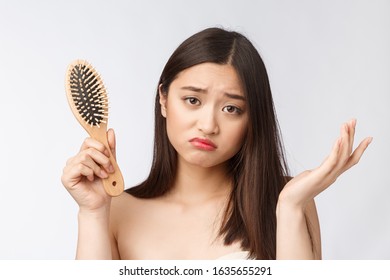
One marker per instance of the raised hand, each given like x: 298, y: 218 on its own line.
x: 304, y: 187
x: 83, y: 173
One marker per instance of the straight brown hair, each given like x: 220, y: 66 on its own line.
x: 259, y: 169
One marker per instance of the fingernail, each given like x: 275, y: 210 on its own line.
x: 103, y: 173
x: 370, y: 140
x: 111, y: 168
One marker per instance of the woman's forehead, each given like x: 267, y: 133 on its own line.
x: 204, y: 76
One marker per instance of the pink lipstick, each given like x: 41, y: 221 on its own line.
x: 203, y: 144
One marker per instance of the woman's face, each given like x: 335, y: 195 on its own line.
x: 206, y: 114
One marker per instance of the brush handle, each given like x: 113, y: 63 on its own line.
x: 87, y: 98
x: 113, y: 184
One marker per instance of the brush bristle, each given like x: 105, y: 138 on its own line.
x: 88, y: 93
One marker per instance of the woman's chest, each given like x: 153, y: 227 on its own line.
x: 172, y: 234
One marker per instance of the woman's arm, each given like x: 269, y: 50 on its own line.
x: 82, y: 178
x: 93, y: 235
x: 297, y: 233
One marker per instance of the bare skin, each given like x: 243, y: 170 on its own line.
x: 297, y: 196
x: 184, y: 223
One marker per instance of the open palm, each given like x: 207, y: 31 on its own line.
x: 310, y: 183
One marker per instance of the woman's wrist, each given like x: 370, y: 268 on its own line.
x: 287, y: 205
x: 102, y: 212
x: 93, y: 234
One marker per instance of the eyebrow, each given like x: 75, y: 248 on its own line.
x: 201, y: 90
x: 235, y: 96
x: 196, y: 89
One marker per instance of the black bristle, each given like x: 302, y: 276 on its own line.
x: 89, y: 95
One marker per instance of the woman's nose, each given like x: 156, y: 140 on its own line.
x: 207, y: 121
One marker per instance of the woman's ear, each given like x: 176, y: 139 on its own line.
x: 163, y: 101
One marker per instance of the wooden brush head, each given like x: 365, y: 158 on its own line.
x: 87, y: 95
x: 88, y: 100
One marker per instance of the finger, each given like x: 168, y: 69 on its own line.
x: 331, y: 161
x: 352, y: 126
x: 112, y: 141
x: 91, y: 178
x: 344, y: 153
x: 91, y: 172
x: 92, y: 143
x: 72, y: 174
x: 95, y: 160
x: 357, y: 154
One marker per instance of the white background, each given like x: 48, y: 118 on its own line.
x: 328, y: 61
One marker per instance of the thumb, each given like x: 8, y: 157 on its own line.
x: 111, y: 141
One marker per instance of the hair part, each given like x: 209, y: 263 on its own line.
x: 259, y: 169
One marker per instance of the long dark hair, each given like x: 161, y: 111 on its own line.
x: 259, y: 169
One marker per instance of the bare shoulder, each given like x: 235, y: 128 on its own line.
x: 128, y: 211
x: 124, y: 206
x: 120, y: 206
x: 122, y: 200
x: 124, y: 210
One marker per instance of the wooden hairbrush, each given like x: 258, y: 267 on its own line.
x: 88, y: 100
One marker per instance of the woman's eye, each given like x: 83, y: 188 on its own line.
x: 192, y: 100
x: 231, y: 110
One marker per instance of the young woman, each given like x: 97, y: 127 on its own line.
x: 218, y: 185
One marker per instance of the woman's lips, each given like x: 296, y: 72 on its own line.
x: 203, y: 144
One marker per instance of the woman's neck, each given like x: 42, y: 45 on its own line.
x: 195, y: 184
